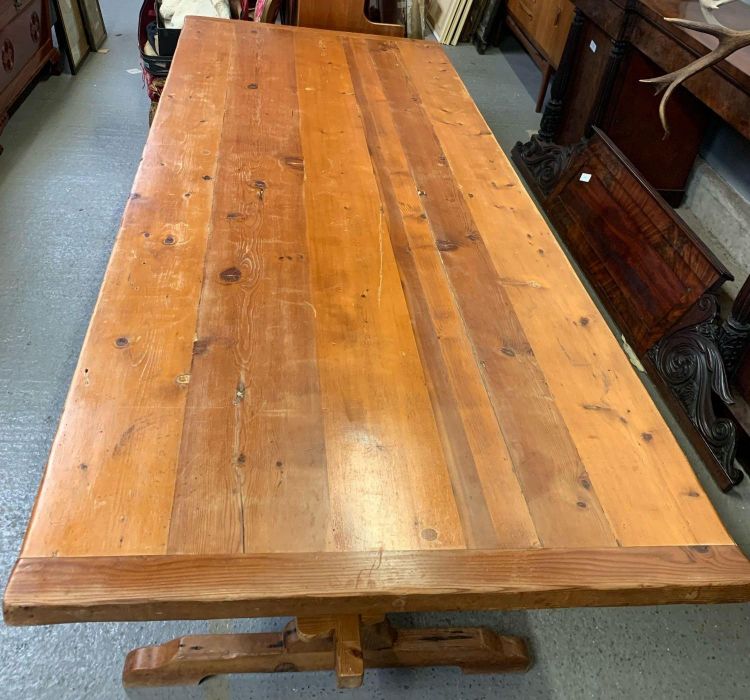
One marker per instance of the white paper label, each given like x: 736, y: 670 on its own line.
x: 592, y: 46
x: 585, y: 177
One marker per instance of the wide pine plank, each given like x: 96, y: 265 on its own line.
x: 253, y: 435
x: 389, y: 484
x: 109, y: 484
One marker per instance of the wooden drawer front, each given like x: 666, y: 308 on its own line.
x: 20, y: 39
x: 10, y: 8
x: 525, y: 13
x: 546, y: 23
x: 553, y: 25
x: 648, y: 266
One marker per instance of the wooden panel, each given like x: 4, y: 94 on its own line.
x: 526, y: 12
x: 109, y: 484
x: 254, y: 414
x: 389, y: 482
x: 342, y: 15
x: 553, y: 30
x: 585, y: 83
x: 632, y: 121
x: 649, y: 267
x: 339, y: 363
x: 61, y: 590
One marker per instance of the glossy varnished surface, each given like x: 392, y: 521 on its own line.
x: 335, y: 323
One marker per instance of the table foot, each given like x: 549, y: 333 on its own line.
x: 346, y: 643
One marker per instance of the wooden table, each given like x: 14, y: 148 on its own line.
x: 339, y: 367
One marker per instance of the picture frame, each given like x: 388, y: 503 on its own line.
x: 71, y: 33
x: 93, y: 22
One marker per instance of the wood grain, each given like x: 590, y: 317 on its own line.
x: 68, y: 589
x: 343, y: 15
x: 340, y: 365
x: 190, y: 660
x: 589, y: 376
x: 114, y: 458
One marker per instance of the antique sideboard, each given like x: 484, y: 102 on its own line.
x: 612, y: 46
x: 25, y: 49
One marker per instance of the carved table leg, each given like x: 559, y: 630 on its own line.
x: 347, y: 644
x: 688, y: 359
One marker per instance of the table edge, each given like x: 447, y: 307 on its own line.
x: 181, y: 587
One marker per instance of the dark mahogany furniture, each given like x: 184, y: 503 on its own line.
x: 25, y: 49
x: 612, y: 45
x: 647, y: 265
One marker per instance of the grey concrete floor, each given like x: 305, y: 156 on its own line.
x: 71, y: 153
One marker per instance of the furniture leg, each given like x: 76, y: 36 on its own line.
x: 346, y: 643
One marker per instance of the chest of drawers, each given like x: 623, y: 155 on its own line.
x: 25, y: 49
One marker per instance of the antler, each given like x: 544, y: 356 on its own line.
x: 730, y: 40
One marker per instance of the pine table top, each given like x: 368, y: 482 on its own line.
x: 339, y: 363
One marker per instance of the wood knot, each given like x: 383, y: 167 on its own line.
x: 122, y: 342
x: 429, y: 534
x: 252, y: 86
x: 231, y: 275
x: 446, y: 246
x: 584, y: 320
x: 239, y: 393
x: 169, y: 240
x: 200, y: 347
x: 648, y: 437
